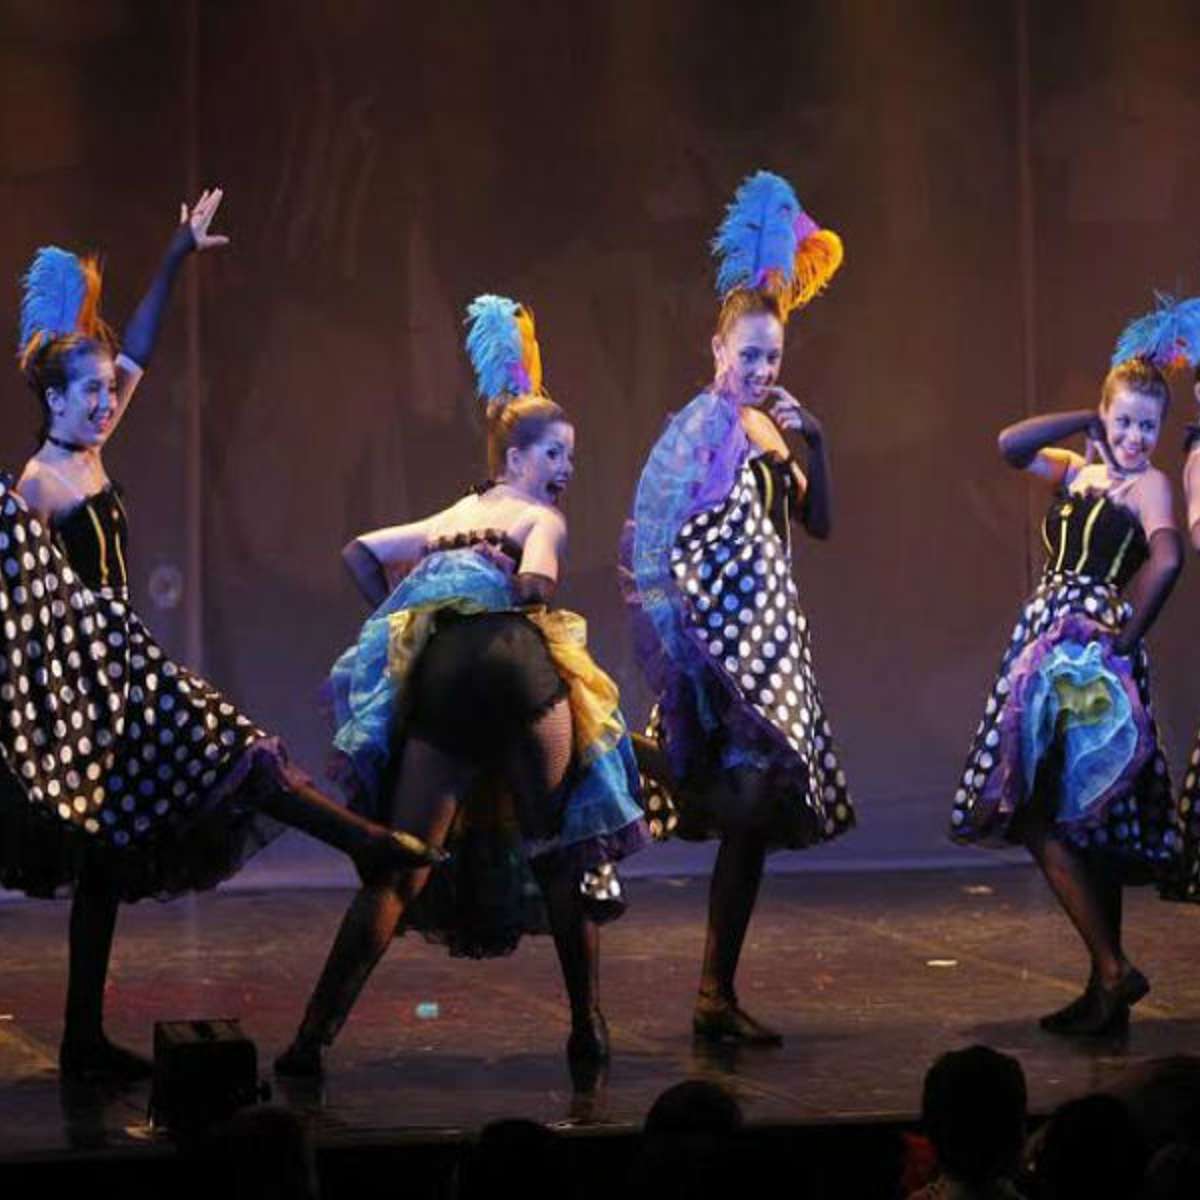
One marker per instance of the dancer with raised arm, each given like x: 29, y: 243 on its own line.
x: 125, y: 775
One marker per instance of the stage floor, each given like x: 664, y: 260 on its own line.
x: 869, y: 976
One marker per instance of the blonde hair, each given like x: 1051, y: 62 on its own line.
x: 748, y: 302
x: 1138, y: 375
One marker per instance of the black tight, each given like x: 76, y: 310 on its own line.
x: 1090, y: 896
x: 93, y: 923
x: 431, y: 787
x: 744, y: 801
x: 285, y: 795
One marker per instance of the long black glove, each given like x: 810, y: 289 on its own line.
x: 530, y: 588
x: 805, y: 434
x: 1019, y: 444
x: 816, y: 510
x: 141, y: 332
x: 1149, y: 588
x: 367, y: 572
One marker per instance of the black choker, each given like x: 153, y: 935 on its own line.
x: 73, y: 447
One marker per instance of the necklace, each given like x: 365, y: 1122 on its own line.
x: 1124, y: 473
x: 63, y: 444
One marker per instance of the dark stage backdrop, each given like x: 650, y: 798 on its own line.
x: 1011, y: 180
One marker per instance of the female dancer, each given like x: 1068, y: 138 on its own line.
x: 124, y: 775
x: 1188, y: 887
x: 1067, y: 759
x: 707, y: 571
x: 468, y: 712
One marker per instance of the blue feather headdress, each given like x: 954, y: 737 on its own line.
x: 768, y: 243
x: 1168, y: 337
x: 503, y: 348
x: 60, y: 295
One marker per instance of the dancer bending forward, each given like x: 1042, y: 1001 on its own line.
x: 471, y: 713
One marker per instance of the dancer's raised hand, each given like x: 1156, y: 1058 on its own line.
x: 200, y: 218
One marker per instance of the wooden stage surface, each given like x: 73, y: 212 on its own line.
x: 869, y: 975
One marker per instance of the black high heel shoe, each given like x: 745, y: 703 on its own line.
x: 588, y: 1040
x: 101, y: 1061
x: 717, y: 1019
x: 1108, y: 1012
x: 1063, y: 1018
x: 385, y: 853
x: 301, y: 1060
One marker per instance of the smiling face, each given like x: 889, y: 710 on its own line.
x: 543, y: 468
x: 84, y: 411
x: 748, y: 356
x: 1132, y: 423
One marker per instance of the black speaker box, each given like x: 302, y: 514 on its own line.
x: 204, y: 1071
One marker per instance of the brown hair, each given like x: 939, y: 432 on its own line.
x: 748, y: 302
x: 517, y: 422
x: 1138, y: 375
x: 49, y: 363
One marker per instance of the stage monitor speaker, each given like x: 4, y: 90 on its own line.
x: 204, y: 1071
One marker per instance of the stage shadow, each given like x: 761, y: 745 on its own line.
x: 97, y: 1116
x: 1026, y: 1037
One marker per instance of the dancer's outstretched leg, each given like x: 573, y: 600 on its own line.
x: 428, y: 794
x: 375, y: 849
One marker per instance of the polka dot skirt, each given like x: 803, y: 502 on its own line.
x: 741, y: 608
x: 1142, y: 826
x: 111, y: 746
x: 1186, y: 884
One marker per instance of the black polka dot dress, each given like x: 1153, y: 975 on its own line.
x: 1094, y: 546
x: 756, y: 689
x: 1185, y: 885
x: 117, y: 761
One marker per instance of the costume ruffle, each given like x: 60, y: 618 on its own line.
x: 721, y: 636
x: 116, y: 760
x: 486, y: 898
x: 1065, y: 702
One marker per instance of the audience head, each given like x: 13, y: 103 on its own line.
x: 973, y: 1109
x: 1092, y: 1150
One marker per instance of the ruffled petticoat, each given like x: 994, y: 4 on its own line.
x: 1066, y: 707
x: 486, y: 898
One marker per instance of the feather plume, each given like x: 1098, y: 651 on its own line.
x: 55, y: 290
x: 769, y: 243
x: 89, y: 322
x: 503, y: 348
x: 817, y: 260
x: 756, y: 243
x: 531, y: 353
x: 61, y: 295
x: 1168, y: 337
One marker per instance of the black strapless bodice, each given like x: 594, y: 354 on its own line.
x: 776, y: 483
x: 95, y: 534
x: 1089, y: 534
x: 495, y: 538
